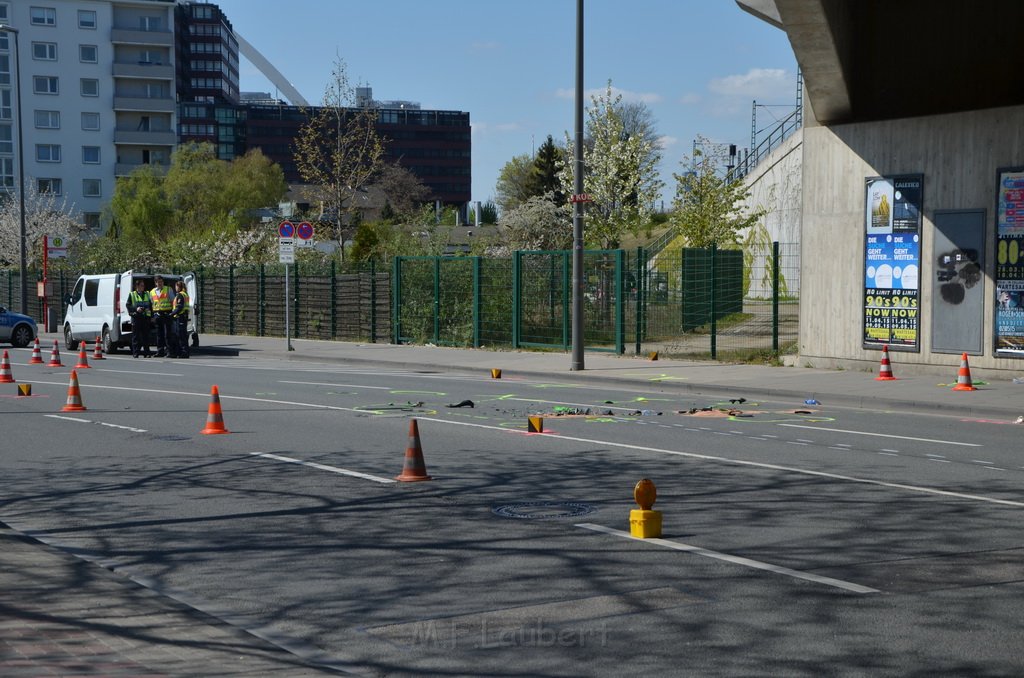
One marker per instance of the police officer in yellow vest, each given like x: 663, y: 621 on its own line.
x: 140, y: 308
x: 179, y: 316
x: 161, y: 296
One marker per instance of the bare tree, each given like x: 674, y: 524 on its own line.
x: 338, y: 152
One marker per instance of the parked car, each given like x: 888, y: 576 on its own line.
x: 98, y: 307
x: 16, y: 329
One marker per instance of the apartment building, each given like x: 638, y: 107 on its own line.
x: 97, y: 94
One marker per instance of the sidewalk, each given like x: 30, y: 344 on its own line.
x: 62, y: 615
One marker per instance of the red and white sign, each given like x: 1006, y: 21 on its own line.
x: 581, y: 197
x: 286, y: 229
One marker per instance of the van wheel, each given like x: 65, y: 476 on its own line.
x: 108, y: 345
x: 70, y: 343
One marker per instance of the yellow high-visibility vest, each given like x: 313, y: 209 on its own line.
x: 161, y: 297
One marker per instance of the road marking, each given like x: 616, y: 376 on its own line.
x: 886, y: 449
x: 979, y: 461
x: 883, y: 435
x: 795, y: 442
x: 736, y: 560
x: 744, y: 462
x: 889, y: 454
x: 90, y: 421
x: 324, y: 467
x: 323, y: 383
x: 941, y: 461
x: 58, y: 416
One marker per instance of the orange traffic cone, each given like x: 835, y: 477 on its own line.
x: 6, y: 376
x: 214, y: 416
x: 885, y: 371
x: 54, y: 357
x: 37, y: 355
x: 97, y: 353
x: 83, y: 360
x: 963, y: 377
x: 74, y: 396
x: 414, y: 468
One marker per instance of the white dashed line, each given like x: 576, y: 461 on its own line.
x: 324, y: 467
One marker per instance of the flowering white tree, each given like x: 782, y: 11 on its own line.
x: 621, y: 173
x: 45, y: 214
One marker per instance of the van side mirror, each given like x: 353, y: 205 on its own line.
x: 67, y: 300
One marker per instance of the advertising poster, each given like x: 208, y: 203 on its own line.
x: 1009, y: 315
x: 892, y: 262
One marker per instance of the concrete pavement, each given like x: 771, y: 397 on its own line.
x: 63, y: 614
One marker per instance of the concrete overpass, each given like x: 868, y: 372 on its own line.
x: 865, y: 60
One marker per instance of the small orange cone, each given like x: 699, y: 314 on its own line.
x: 6, y: 376
x: 83, y: 360
x: 885, y: 371
x: 37, y: 356
x: 963, y: 377
x: 214, y: 416
x: 74, y: 396
x: 97, y: 353
x: 414, y: 468
x: 55, y: 357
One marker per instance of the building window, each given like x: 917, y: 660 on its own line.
x: 90, y: 87
x: 5, y: 105
x: 91, y: 121
x: 91, y: 188
x: 86, y: 19
x: 48, y: 152
x: 88, y: 54
x: 5, y: 68
x: 91, y: 155
x: 44, y: 84
x: 7, y: 172
x: 6, y: 139
x: 43, y: 16
x: 150, y: 23
x: 5, y: 43
x: 44, y: 51
x: 51, y: 186
x: 5, y: 12
x: 47, y: 119
x: 91, y: 220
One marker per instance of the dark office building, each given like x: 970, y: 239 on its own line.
x: 433, y: 145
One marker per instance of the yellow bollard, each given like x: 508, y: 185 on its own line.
x: 645, y: 523
x: 535, y: 425
x: 495, y: 373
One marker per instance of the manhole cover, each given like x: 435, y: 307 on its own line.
x: 544, y: 510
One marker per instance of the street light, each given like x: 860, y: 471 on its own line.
x: 21, y: 170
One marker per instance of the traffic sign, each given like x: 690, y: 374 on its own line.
x: 56, y: 247
x: 304, y: 231
x: 286, y: 229
x: 286, y: 251
x: 581, y: 197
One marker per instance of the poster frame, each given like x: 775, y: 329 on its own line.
x: 996, y: 280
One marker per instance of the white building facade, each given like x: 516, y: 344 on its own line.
x: 97, y: 95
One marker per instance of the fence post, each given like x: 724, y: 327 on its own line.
x: 713, y: 303
x: 261, y: 300
x: 639, y: 298
x: 437, y: 300
x: 476, y: 302
x: 775, y: 297
x: 517, y: 262
x: 334, y: 300
x: 396, y: 296
x: 373, y: 301
x: 295, y: 292
x: 231, y: 299
x: 620, y: 303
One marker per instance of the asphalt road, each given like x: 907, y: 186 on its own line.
x: 823, y: 541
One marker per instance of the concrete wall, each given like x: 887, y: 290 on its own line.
x: 958, y: 155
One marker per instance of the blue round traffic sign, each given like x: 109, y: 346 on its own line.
x: 286, y: 229
x: 304, y: 231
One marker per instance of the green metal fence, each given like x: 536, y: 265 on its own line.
x: 712, y: 302
x: 687, y: 302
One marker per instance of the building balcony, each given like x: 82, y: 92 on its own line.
x: 145, y: 104
x: 149, y: 71
x: 149, y: 138
x: 123, y: 169
x: 135, y: 36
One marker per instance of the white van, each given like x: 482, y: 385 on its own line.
x: 98, y: 307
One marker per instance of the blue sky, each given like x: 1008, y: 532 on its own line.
x: 697, y: 64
